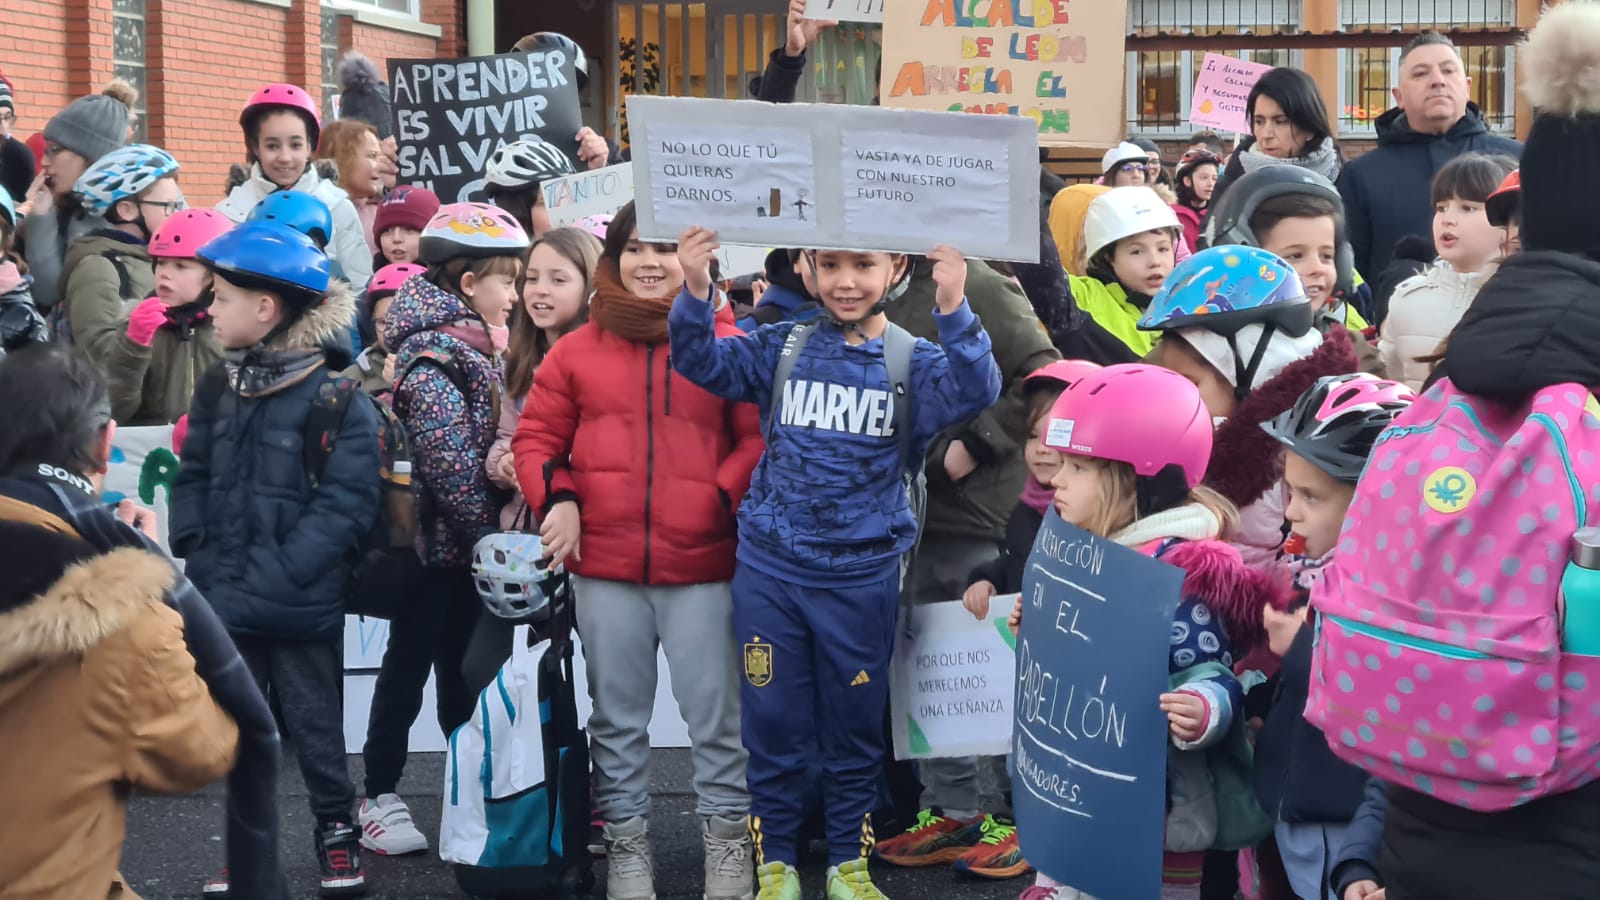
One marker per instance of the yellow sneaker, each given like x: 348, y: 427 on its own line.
x: 777, y: 881
x: 852, y: 881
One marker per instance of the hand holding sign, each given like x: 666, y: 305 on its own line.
x: 697, y: 247
x: 592, y: 149
x: 1186, y: 715
x: 950, y: 275
x: 802, y: 31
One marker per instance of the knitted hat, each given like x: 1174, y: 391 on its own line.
x: 6, y: 100
x: 1281, y: 351
x: 406, y: 206
x: 363, y: 95
x: 1560, y: 183
x: 90, y: 126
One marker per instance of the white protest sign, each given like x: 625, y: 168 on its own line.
x: 597, y: 192
x: 142, y: 468
x: 845, y: 10
x: 832, y: 176
x: 951, y: 685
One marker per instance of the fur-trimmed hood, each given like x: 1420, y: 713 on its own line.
x: 1215, y: 574
x: 1245, y: 460
x: 325, y: 326
x: 91, y: 600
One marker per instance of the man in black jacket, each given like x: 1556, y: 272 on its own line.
x: 1386, y: 192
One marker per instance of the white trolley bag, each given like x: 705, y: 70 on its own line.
x: 516, y: 800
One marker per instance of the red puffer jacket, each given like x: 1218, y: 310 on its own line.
x: 657, y: 465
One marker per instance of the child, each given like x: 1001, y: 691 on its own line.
x: 281, y: 126
x: 1236, y: 322
x: 1136, y: 481
x: 1196, y: 178
x: 14, y: 280
x: 311, y: 217
x: 1504, y: 210
x: 267, y: 546
x: 1068, y: 211
x: 825, y: 527
x: 168, y: 342
x: 1130, y: 241
x: 133, y: 190
x: 998, y: 854
x: 514, y: 176
x: 374, y: 366
x: 1425, y: 308
x: 446, y: 394
x: 635, y: 474
x: 398, y: 225
x: 1312, y: 794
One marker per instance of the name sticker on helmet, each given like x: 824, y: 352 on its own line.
x: 1059, y: 433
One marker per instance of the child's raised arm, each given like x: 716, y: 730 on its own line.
x: 964, y: 380
x: 736, y: 367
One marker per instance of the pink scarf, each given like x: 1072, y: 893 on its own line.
x: 1036, y: 496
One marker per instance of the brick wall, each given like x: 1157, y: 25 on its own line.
x: 203, y: 58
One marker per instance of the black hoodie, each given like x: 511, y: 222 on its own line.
x: 1386, y: 192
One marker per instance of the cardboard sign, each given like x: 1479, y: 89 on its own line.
x: 142, y: 468
x: 831, y: 176
x: 1090, y: 740
x: 951, y: 684
x: 451, y: 115
x: 1221, y: 92
x: 1057, y: 62
x: 845, y: 10
x: 597, y: 192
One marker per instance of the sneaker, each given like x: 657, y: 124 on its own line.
x: 728, y: 867
x: 216, y: 887
x: 936, y: 839
x: 339, y: 852
x: 630, y: 873
x: 777, y: 881
x: 387, y: 829
x: 1038, y: 892
x: 997, y: 854
x: 852, y: 881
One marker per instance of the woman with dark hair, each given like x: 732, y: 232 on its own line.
x: 1288, y: 125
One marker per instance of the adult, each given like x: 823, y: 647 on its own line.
x: 1288, y: 125
x: 16, y: 160
x: 363, y: 94
x: 1386, y: 191
x: 354, y: 147
x: 1124, y: 165
x: 594, y: 150
x: 109, y: 656
x: 74, y: 138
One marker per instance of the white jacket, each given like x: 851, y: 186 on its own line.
x: 1423, y: 311
x: 348, y: 246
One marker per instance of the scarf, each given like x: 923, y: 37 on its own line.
x: 1324, y: 160
x: 629, y: 317
x: 257, y: 372
x: 1036, y: 496
x: 475, y: 333
x: 1190, y: 522
x: 185, y: 318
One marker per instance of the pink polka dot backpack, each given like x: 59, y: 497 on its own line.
x: 1440, y: 661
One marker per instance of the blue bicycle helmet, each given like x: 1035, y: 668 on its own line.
x: 1223, y: 289
x: 298, y: 210
x: 270, y: 256
x: 123, y: 174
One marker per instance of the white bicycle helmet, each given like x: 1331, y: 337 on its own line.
x: 522, y: 164
x: 123, y: 173
x: 512, y: 578
x: 474, y: 230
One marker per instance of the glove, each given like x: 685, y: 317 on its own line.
x: 180, y: 430
x: 145, y: 320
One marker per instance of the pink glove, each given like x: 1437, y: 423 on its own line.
x: 145, y: 320
x: 180, y: 430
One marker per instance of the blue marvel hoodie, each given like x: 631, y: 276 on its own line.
x: 826, y: 506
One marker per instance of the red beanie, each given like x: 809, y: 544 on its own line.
x: 406, y: 206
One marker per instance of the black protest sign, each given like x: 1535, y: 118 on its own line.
x: 450, y: 115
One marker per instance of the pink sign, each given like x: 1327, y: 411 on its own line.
x: 1221, y: 91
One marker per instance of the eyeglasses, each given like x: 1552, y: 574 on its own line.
x: 7, y: 117
x: 1131, y: 167
x: 171, y: 207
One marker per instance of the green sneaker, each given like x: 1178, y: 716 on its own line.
x: 777, y: 881
x: 852, y: 881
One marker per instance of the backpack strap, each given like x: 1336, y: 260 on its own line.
x: 445, y: 362
x: 325, y: 421
x: 792, y: 345
x: 898, y: 347
x: 124, y: 280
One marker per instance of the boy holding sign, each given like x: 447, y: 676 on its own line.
x: 825, y: 524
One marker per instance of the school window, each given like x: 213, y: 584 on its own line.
x: 410, y: 9
x: 330, y: 64
x: 127, y: 54
x: 1160, y: 82
x: 1368, y: 74
x: 845, y: 63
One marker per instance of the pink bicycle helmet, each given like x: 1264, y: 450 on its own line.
x: 596, y: 225
x: 281, y: 96
x: 186, y: 231
x: 474, y: 230
x: 1063, y: 372
x: 388, y: 279
x: 1336, y: 422
x: 1148, y: 417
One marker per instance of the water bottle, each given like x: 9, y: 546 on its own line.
x: 402, y: 509
x: 1580, y: 589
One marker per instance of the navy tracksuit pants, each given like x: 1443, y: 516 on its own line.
x: 816, y: 665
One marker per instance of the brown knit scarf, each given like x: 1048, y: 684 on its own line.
x: 618, y: 311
